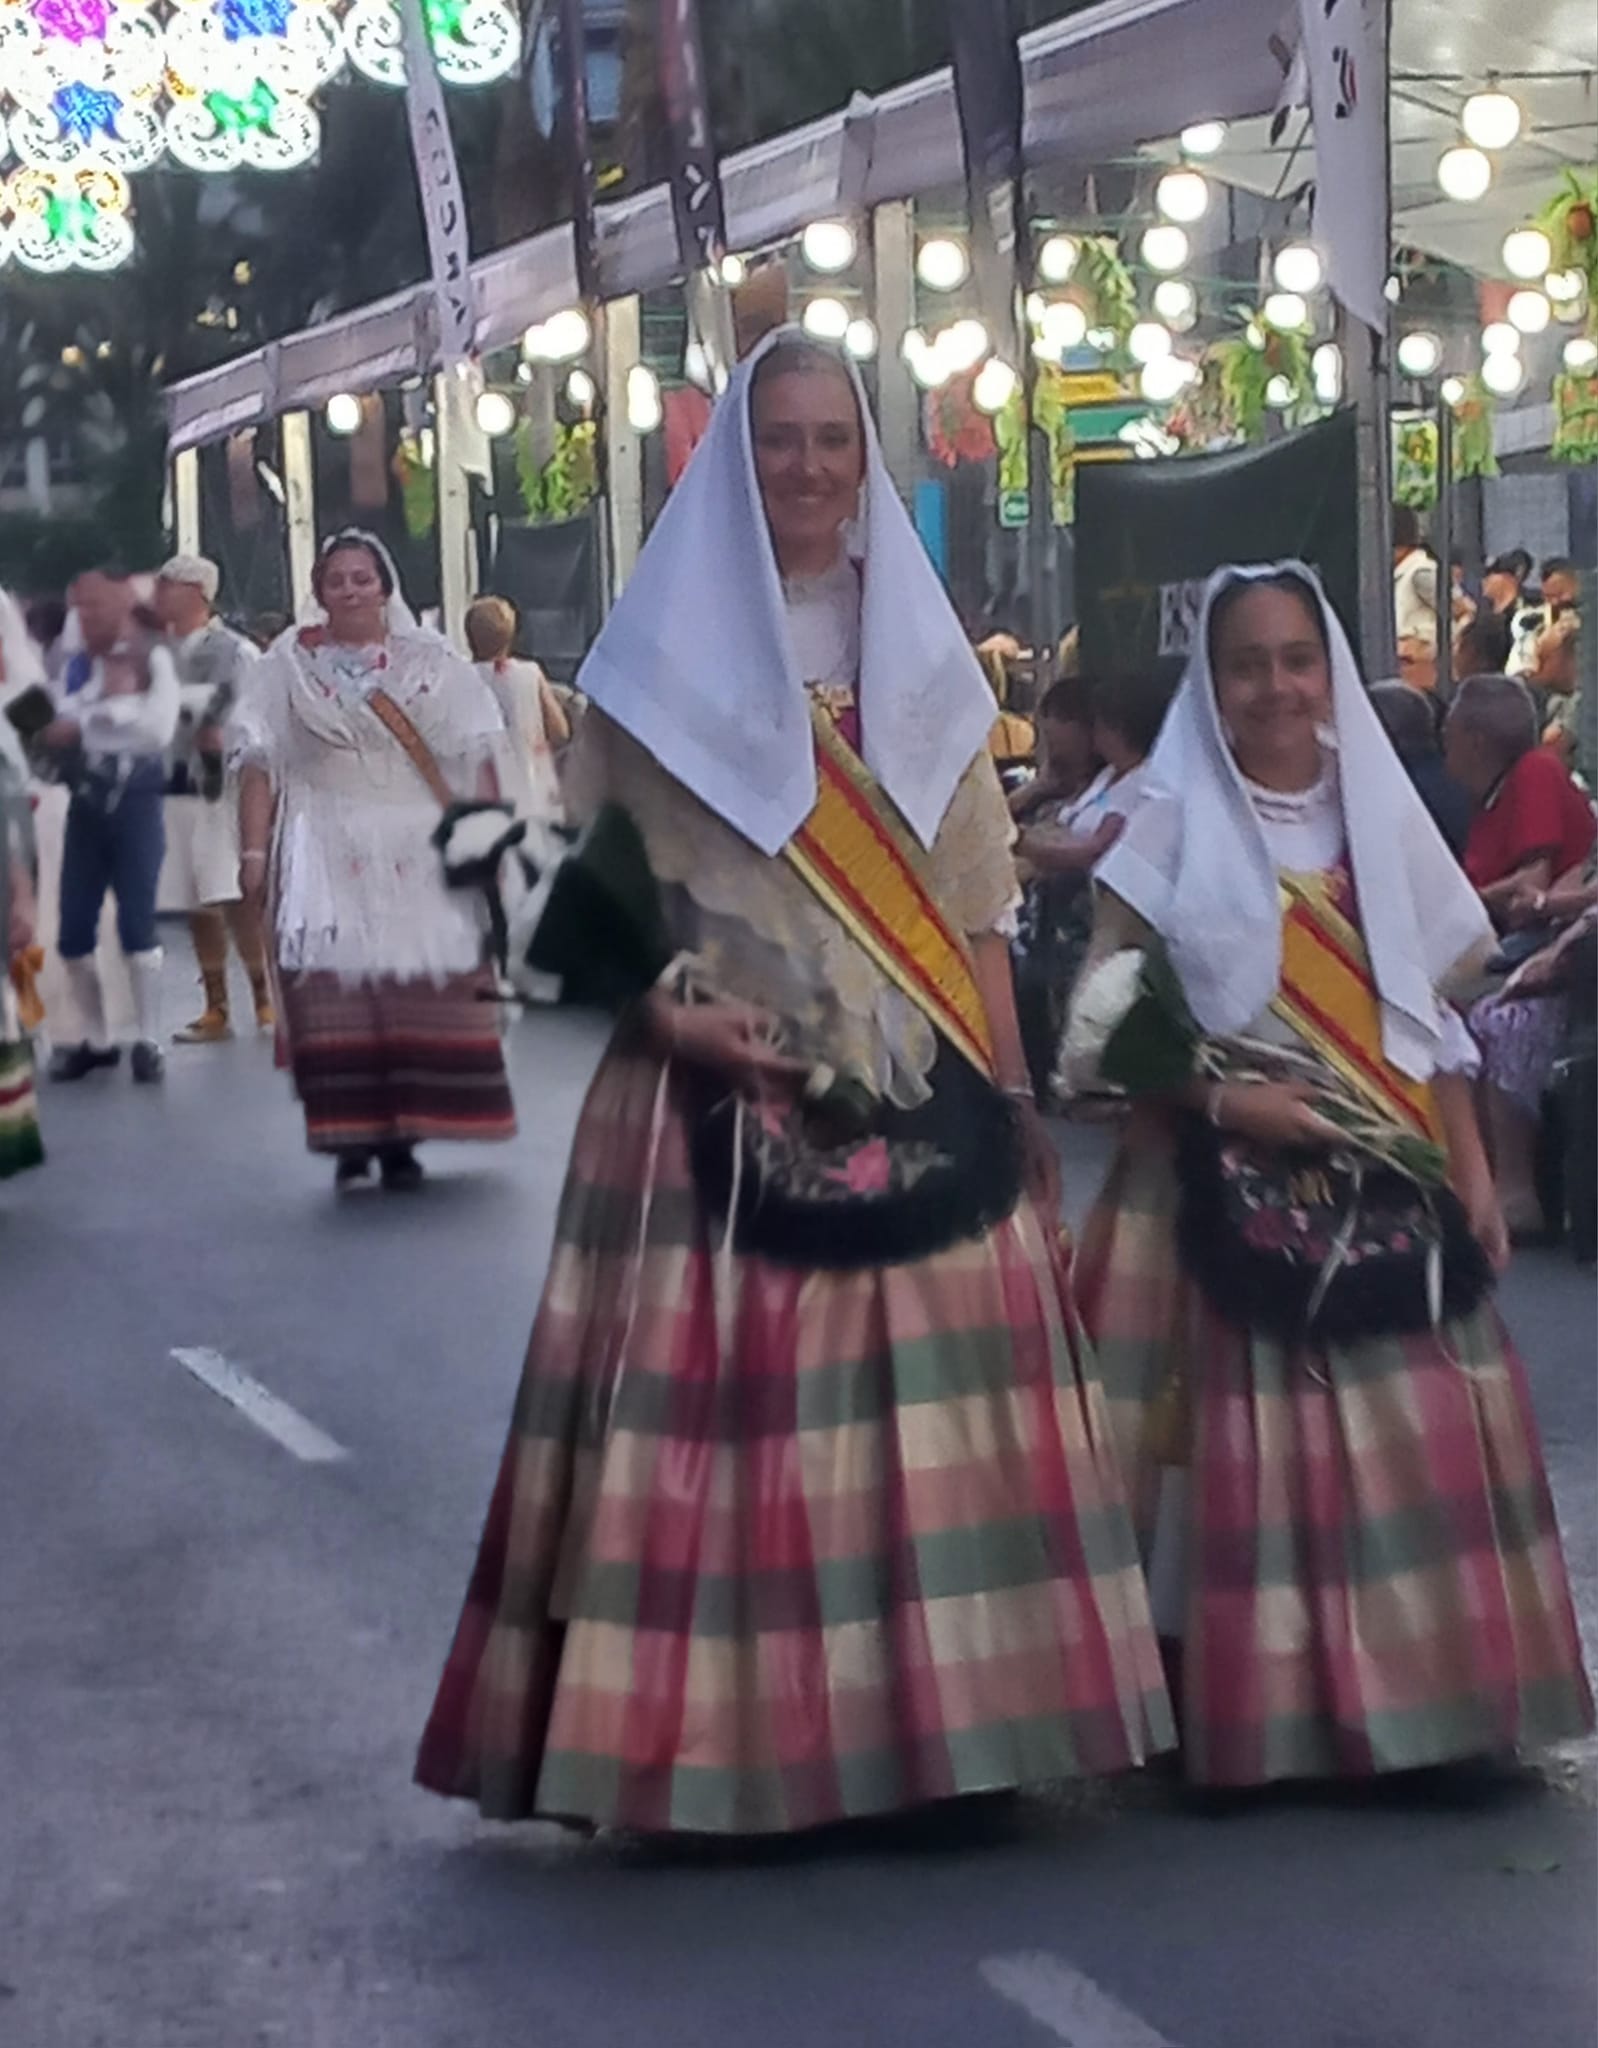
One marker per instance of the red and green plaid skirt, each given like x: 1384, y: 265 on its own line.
x: 387, y: 1062
x: 772, y: 1547
x: 1361, y: 1553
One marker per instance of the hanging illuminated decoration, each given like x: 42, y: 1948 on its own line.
x: 92, y: 90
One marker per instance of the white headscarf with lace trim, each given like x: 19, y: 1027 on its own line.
x: 697, y: 662
x: 1205, y: 880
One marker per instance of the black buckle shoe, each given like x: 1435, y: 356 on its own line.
x: 73, y: 1062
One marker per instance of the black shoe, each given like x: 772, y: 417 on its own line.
x: 351, y: 1172
x: 401, y: 1169
x: 72, y: 1062
x: 149, y: 1061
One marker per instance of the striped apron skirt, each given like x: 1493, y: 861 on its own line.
x: 1355, y: 1546
x: 774, y: 1547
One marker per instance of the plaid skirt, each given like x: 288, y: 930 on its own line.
x: 20, y: 1143
x: 774, y: 1547
x: 1360, y: 1555
x: 395, y: 1062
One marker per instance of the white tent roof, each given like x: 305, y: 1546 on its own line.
x: 1097, y: 85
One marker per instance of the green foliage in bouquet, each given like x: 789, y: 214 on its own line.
x: 1155, y: 1047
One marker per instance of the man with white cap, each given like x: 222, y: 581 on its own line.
x: 202, y: 867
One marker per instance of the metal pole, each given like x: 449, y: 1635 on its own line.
x: 898, y: 405
x: 1443, y: 543
x: 186, y: 501
x: 299, y: 503
x: 1369, y: 374
x: 624, y: 478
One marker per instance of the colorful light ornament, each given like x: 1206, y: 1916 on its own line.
x: 114, y: 86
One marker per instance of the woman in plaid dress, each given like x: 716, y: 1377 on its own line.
x: 1351, y: 1545
x: 808, y: 1509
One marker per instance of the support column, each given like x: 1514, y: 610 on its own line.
x: 624, y: 473
x: 898, y: 402
x: 457, y: 545
x: 1443, y: 544
x: 299, y: 504
x: 1370, y: 388
x: 186, y: 533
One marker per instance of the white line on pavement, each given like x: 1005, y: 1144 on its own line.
x: 1071, y: 2006
x: 285, y: 1425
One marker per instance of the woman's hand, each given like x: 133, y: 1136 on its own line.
x: 24, y: 920
x: 252, y: 878
x: 1040, y: 1163
x: 1272, y: 1113
x: 734, y: 1039
x: 1485, y: 1214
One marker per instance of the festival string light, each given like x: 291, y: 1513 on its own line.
x: 93, y: 91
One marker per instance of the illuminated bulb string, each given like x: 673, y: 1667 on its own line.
x: 93, y: 90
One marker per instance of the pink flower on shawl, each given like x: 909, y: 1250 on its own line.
x: 869, y: 1170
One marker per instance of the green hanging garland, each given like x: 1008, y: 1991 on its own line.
x: 1415, y: 463
x: 418, y: 494
x: 1473, y: 431
x: 1570, y: 221
x: 1575, y: 418
x: 562, y: 486
x: 1246, y: 364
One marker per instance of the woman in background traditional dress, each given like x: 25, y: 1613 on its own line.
x: 379, y: 964
x: 21, y: 669
x: 786, y: 1533
x: 535, y: 719
x: 1353, y: 1553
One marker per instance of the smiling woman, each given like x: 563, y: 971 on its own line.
x: 805, y: 1512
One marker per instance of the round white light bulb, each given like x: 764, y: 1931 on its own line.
x: 1326, y: 371
x: 1564, y: 287
x: 1101, y: 339
x: 566, y: 334
x: 1149, y: 341
x: 696, y: 365
x: 1393, y: 291
x: 994, y: 386
x: 1463, y: 173
x: 581, y: 390
x: 942, y: 264
x: 1162, y: 378
x: 1182, y: 196
x: 1286, y: 312
x: 343, y: 413
x: 1581, y: 355
x: 1528, y: 253
x: 924, y: 362
x: 860, y: 339
x: 825, y: 319
x: 828, y: 245
x: 964, y: 344
x: 1204, y: 138
x: 1503, y: 375
x: 1164, y: 248
x: 1419, y: 354
x: 1491, y: 119
x: 644, y: 410
x: 1498, y: 338
x: 1298, y: 268
x: 1452, y: 390
x: 1057, y: 258
x: 1529, y: 312
x: 1064, y: 325
x: 1279, y: 393
x: 733, y: 271
x: 1176, y: 302
x: 496, y: 414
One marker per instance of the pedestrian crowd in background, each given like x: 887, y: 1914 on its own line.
x: 837, y: 1481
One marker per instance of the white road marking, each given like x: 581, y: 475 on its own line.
x: 258, y: 1404
x: 1071, y: 2006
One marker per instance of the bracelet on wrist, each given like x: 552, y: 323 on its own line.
x: 253, y: 853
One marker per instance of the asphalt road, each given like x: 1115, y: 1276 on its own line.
x: 215, y: 1658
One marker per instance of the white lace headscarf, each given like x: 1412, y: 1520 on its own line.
x: 401, y: 619
x: 1195, y: 864
x: 697, y: 663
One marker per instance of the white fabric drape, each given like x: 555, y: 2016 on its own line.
x: 1195, y: 863
x: 698, y: 663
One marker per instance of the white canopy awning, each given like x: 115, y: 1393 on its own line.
x: 1098, y: 85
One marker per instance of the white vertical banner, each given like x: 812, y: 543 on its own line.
x: 1345, y: 57
x: 443, y: 196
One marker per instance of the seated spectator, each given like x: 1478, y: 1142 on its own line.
x: 1414, y: 601
x: 1481, y: 647
x: 1521, y: 1032
x: 1531, y: 823
x: 1066, y: 760
x: 1560, y: 585
x: 1409, y: 722
x: 1504, y: 579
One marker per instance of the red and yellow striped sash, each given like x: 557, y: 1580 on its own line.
x: 1328, y: 997
x: 857, y: 858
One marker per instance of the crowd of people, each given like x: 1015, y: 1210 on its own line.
x: 839, y: 1480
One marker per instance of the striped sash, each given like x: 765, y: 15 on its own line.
x: 854, y: 853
